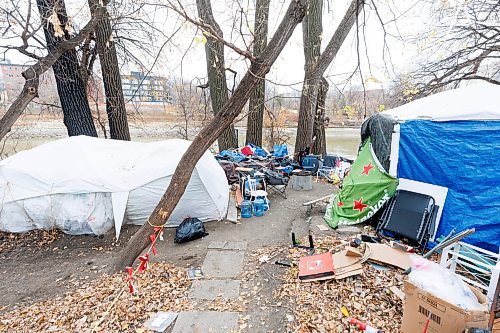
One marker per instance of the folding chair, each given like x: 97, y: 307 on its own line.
x: 276, y: 182
x: 409, y: 216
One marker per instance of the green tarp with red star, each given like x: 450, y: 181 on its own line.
x: 365, y: 189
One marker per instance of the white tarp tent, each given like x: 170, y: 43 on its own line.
x: 84, y: 185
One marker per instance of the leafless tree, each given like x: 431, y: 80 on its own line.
x: 463, y: 45
x: 221, y: 121
x: 63, y: 44
x: 256, y: 106
x: 312, y: 81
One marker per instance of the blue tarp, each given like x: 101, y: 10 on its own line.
x: 232, y: 155
x: 463, y: 156
x: 280, y: 150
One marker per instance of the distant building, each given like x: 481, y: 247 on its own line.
x: 141, y: 88
x: 12, y: 83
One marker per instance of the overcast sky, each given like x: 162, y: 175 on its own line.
x: 403, y: 18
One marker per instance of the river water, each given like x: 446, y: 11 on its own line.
x: 340, y: 141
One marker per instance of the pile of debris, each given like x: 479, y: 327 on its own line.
x: 373, y: 297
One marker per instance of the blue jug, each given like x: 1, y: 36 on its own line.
x: 259, y: 206
x: 246, y: 209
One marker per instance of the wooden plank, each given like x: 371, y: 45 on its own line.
x: 232, y: 211
x: 316, y: 200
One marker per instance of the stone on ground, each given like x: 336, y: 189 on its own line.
x: 206, y: 322
x: 211, y: 289
x: 223, y: 264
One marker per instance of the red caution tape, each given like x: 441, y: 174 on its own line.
x: 144, y: 263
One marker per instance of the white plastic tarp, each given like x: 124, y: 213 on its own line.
x: 477, y: 101
x: 83, y: 184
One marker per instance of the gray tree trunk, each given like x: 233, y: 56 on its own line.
x: 257, y: 99
x: 216, y: 73
x: 308, y: 101
x: 312, y: 29
x: 70, y: 85
x: 319, y: 147
x: 115, y: 103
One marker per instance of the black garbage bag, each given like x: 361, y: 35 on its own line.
x: 191, y: 228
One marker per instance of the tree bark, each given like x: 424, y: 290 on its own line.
x: 70, y: 85
x: 311, y: 85
x: 210, y: 133
x: 257, y: 99
x: 216, y: 72
x: 312, y: 29
x: 32, y: 74
x: 115, y: 103
x: 319, y: 147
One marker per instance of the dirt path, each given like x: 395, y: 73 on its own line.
x: 30, y: 273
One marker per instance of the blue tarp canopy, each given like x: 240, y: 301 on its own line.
x: 463, y: 156
x: 452, y: 139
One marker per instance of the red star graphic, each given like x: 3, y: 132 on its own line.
x: 367, y: 169
x: 359, y: 205
x: 340, y: 204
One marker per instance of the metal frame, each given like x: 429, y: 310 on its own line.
x: 482, y: 271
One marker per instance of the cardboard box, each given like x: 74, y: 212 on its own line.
x: 444, y: 317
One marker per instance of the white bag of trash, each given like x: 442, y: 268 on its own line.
x: 442, y: 283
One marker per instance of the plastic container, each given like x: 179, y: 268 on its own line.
x: 259, y: 207
x: 246, y: 209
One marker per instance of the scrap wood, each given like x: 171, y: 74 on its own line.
x: 316, y: 200
x: 239, y: 196
x: 398, y: 292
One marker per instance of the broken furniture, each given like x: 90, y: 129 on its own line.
x: 476, y: 266
x: 408, y: 215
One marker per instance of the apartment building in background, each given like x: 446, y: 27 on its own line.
x: 140, y: 88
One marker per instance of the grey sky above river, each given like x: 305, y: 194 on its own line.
x: 184, y: 55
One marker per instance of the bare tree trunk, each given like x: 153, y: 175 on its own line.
x: 216, y: 73
x: 257, y: 99
x: 312, y: 82
x: 32, y: 74
x: 70, y: 85
x: 115, y: 103
x: 312, y: 29
x: 210, y: 133
x: 319, y: 147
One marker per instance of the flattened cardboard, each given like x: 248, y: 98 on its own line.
x: 353, y: 252
x: 386, y: 255
x: 345, y: 266
x: 444, y: 317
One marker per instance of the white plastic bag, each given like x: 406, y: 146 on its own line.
x: 442, y: 283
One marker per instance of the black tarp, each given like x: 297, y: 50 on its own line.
x: 379, y: 128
